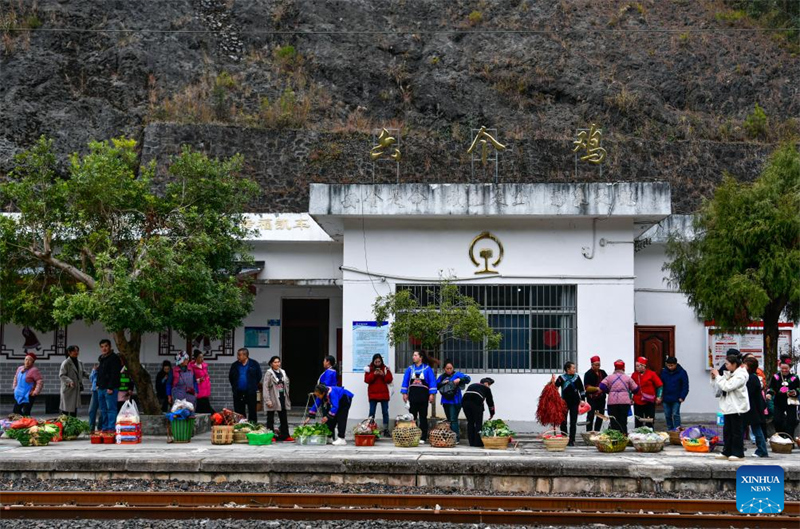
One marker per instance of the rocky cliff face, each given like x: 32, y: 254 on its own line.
x: 298, y: 86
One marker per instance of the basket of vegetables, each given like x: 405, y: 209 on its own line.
x: 555, y: 440
x: 699, y: 439
x: 312, y: 434
x: 241, y: 430
x: 645, y: 439
x: 611, y: 441
x: 496, y: 434
x: 73, y: 427
x: 366, y: 432
x: 29, y: 432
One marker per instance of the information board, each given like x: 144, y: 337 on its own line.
x: 751, y: 341
x: 369, y: 338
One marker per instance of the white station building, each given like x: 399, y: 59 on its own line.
x: 562, y: 271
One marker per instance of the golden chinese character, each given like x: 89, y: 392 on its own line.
x: 484, y: 139
x: 265, y: 224
x: 301, y: 224
x: 385, y: 142
x: 282, y: 224
x: 249, y: 223
x: 590, y: 142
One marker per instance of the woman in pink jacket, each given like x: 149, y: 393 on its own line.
x: 202, y: 382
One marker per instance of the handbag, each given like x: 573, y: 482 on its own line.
x: 448, y: 390
x: 584, y: 408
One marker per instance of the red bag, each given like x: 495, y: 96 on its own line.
x: 584, y: 407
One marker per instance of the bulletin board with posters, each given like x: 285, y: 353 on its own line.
x: 752, y: 341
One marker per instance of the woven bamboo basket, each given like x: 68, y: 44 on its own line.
x: 406, y: 434
x: 442, y: 436
x: 587, y: 437
x: 222, y: 435
x: 240, y: 437
x: 555, y: 444
x: 649, y: 446
x: 675, y: 436
x: 612, y: 446
x: 495, y: 443
x: 780, y: 448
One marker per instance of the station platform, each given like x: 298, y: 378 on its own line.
x: 527, y: 468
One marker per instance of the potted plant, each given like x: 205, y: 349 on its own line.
x: 312, y: 434
x: 496, y: 434
x: 366, y: 433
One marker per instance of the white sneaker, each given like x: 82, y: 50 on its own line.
x: 734, y: 458
x: 720, y: 456
x: 339, y: 442
x: 421, y: 442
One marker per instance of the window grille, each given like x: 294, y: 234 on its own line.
x: 537, y: 322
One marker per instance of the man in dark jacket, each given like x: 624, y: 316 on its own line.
x: 676, y: 388
x: 245, y: 379
x: 108, y: 373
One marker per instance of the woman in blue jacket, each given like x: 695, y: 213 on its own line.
x: 329, y: 377
x: 419, y: 388
x: 451, y: 393
x: 336, y: 400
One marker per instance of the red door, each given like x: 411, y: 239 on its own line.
x: 655, y: 343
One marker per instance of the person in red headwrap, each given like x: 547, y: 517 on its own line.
x: 619, y: 387
x: 594, y: 395
x: 650, y: 385
x: 28, y: 383
x: 784, y: 389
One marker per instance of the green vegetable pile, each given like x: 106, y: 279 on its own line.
x: 611, y: 436
x: 311, y: 429
x: 496, y: 428
x: 35, y: 435
x: 72, y: 426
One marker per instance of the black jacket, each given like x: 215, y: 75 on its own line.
x: 591, y: 379
x: 253, y: 376
x: 477, y: 394
x: 108, y: 371
x: 756, y: 398
x: 572, y: 393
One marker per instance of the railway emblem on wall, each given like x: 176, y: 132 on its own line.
x: 486, y: 254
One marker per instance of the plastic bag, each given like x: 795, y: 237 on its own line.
x: 181, y: 404
x: 129, y: 413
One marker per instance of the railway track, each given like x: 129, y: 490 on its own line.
x: 431, y: 508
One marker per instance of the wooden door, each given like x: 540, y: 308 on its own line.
x: 655, y: 343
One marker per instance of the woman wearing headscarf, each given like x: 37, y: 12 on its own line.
x: 71, y: 375
x: 419, y: 389
x: 573, y: 393
x: 27, y: 385
x: 200, y: 370
x: 734, y: 404
x: 182, y: 380
x: 783, y: 392
x: 650, y: 389
x: 619, y: 387
x: 276, y: 397
x: 378, y: 376
x: 594, y: 395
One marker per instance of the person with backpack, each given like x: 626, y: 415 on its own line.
x: 419, y: 388
x: 573, y: 393
x: 619, y: 387
x: 449, y: 384
x: 676, y: 388
x: 473, y: 401
x: 378, y: 376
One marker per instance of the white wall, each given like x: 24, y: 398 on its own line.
x: 536, y: 252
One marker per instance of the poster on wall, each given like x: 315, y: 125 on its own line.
x: 751, y: 341
x: 256, y: 337
x: 369, y: 338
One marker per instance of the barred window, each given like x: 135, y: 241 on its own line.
x: 537, y: 323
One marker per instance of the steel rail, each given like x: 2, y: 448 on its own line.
x: 460, y: 509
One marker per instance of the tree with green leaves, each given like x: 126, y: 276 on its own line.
x: 442, y: 313
x: 743, y: 263
x: 106, y: 244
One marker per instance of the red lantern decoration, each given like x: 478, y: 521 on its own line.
x: 552, y: 338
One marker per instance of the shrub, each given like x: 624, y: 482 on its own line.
x: 756, y: 123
